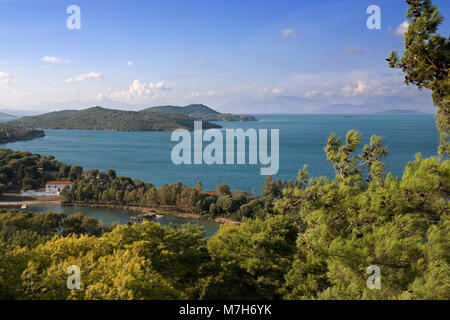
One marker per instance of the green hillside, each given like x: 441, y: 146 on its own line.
x: 98, y: 118
x: 10, y: 133
x: 201, y: 112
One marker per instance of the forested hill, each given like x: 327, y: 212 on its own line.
x: 201, y: 112
x: 99, y: 118
x: 10, y: 133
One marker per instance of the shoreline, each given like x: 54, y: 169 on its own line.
x: 152, y: 211
x: 141, y: 212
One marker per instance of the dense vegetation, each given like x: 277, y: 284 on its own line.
x: 94, y: 187
x: 98, y: 118
x: 202, y: 112
x: 10, y: 133
x: 315, y: 244
x: 26, y: 171
x: 426, y: 61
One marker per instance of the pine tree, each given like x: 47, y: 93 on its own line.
x: 426, y: 62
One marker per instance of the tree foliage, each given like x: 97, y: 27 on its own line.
x: 426, y: 61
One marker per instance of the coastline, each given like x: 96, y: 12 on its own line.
x: 141, y: 212
x: 151, y: 211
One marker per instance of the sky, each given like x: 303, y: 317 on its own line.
x: 147, y: 53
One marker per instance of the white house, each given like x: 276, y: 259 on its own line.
x: 55, y: 187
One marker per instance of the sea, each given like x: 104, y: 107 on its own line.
x: 147, y: 155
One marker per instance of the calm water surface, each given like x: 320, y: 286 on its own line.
x: 146, y: 155
x: 109, y: 215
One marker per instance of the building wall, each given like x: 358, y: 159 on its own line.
x: 56, y: 188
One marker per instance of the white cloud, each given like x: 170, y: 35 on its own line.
x: 353, y: 49
x: 402, y: 28
x: 288, y: 33
x: 5, y: 77
x: 140, y: 90
x: 85, y: 76
x: 130, y: 63
x: 361, y: 88
x: 54, y: 60
x: 274, y: 90
x: 3, y: 62
x: 157, y: 85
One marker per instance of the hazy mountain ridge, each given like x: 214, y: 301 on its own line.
x: 301, y: 105
x: 6, y: 115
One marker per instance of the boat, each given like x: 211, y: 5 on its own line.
x: 24, y: 206
x: 159, y: 216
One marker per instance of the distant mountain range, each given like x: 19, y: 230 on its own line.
x: 6, y: 115
x: 397, y: 111
x: 235, y: 109
x: 299, y: 105
x: 168, y: 118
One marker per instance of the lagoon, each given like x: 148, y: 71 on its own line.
x: 110, y: 215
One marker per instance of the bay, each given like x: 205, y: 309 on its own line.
x: 147, y: 155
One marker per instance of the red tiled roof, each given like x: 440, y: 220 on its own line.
x: 59, y: 182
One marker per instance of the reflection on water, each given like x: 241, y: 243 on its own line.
x: 110, y: 215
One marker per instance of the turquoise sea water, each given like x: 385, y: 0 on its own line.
x: 147, y: 155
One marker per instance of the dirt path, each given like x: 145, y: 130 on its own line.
x: 15, y: 199
x: 29, y: 203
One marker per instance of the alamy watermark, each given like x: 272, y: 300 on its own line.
x: 374, y: 281
x: 374, y: 20
x: 74, y: 280
x: 74, y: 20
x: 213, y: 153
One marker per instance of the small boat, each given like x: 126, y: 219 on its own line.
x: 159, y: 216
x: 24, y: 206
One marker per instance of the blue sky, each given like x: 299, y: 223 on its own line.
x: 198, y: 51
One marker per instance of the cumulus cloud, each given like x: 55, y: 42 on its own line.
x: 358, y: 90
x: 353, y: 49
x: 288, y: 33
x: 139, y: 90
x: 274, y: 90
x: 130, y: 63
x: 277, y: 90
x: 54, y: 60
x: 402, y: 28
x: 5, y: 77
x: 85, y: 76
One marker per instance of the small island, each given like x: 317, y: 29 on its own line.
x: 151, y: 119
